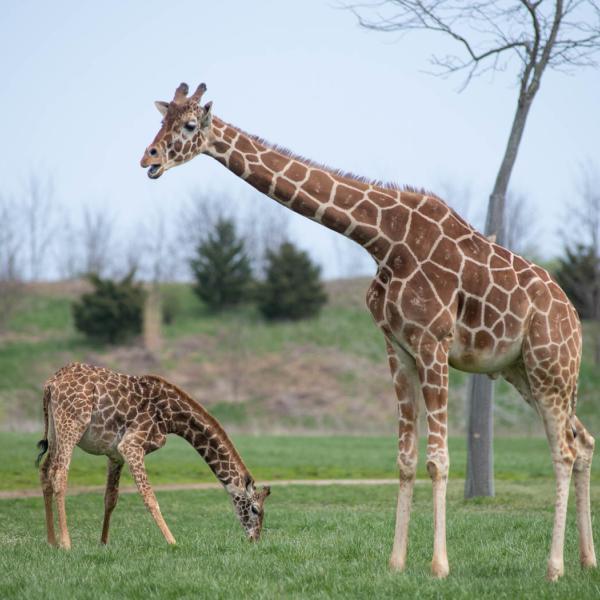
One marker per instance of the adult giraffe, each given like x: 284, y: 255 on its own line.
x: 443, y: 294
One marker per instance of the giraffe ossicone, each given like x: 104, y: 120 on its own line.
x: 443, y: 295
x: 126, y: 417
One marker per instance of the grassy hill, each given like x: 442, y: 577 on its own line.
x: 324, y: 374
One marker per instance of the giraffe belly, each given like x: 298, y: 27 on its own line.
x: 483, y: 360
x: 94, y: 442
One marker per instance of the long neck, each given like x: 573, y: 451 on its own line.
x: 345, y: 204
x: 190, y: 421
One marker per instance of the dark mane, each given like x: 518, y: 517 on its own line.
x: 217, y: 427
x: 386, y: 185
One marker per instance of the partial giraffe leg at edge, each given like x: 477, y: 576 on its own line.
x: 584, y: 446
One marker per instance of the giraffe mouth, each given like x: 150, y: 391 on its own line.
x: 155, y: 171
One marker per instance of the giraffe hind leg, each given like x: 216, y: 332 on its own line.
x: 68, y: 434
x: 48, y: 496
x: 584, y: 446
x: 562, y: 447
x: 111, y: 496
x: 551, y: 373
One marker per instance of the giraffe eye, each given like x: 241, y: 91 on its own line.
x: 255, y: 510
x: 190, y: 126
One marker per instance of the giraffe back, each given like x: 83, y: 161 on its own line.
x: 108, y: 404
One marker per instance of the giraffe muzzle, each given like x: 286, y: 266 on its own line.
x: 155, y: 171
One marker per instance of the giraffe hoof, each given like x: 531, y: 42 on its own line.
x: 588, y: 562
x: 554, y: 572
x: 440, y: 569
x: 397, y: 564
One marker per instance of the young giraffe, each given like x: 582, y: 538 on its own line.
x: 126, y: 417
x: 443, y: 294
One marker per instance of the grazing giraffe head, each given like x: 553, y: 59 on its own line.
x: 248, y: 503
x: 183, y: 134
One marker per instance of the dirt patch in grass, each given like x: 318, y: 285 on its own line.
x: 69, y: 288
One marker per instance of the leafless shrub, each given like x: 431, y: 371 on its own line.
x: 11, y: 246
x: 96, y: 240
x: 39, y: 221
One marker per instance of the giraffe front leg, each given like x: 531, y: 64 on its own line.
x: 406, y: 384
x: 111, y: 496
x: 134, y: 455
x: 433, y: 374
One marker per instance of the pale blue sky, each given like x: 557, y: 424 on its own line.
x: 79, y: 80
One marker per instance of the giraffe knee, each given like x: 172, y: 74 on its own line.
x: 58, y: 479
x: 438, y: 466
x: 110, y: 501
x: 407, y: 465
x: 584, y: 447
x: 44, y: 478
x: 565, y: 453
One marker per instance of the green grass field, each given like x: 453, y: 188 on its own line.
x: 318, y: 542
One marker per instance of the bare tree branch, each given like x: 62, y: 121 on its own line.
x: 96, y: 237
x: 557, y: 34
x: 521, y: 226
x: 39, y: 212
x: 67, y: 250
x: 199, y: 216
x: 11, y: 246
x: 264, y: 232
x: 160, y: 256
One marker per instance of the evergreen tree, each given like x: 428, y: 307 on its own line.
x: 292, y: 289
x: 221, y: 268
x: 112, y: 312
x: 578, y: 274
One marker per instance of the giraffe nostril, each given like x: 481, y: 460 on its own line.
x: 153, y: 152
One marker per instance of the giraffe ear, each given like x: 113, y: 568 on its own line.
x: 207, y: 117
x: 162, y: 107
x: 249, y: 484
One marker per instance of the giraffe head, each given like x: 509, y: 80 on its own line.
x: 183, y: 134
x: 249, y: 506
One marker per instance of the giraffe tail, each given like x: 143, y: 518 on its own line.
x: 43, y: 443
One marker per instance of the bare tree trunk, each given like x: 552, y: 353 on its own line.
x: 152, y: 321
x: 480, y: 430
x: 480, y: 455
x: 494, y: 223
